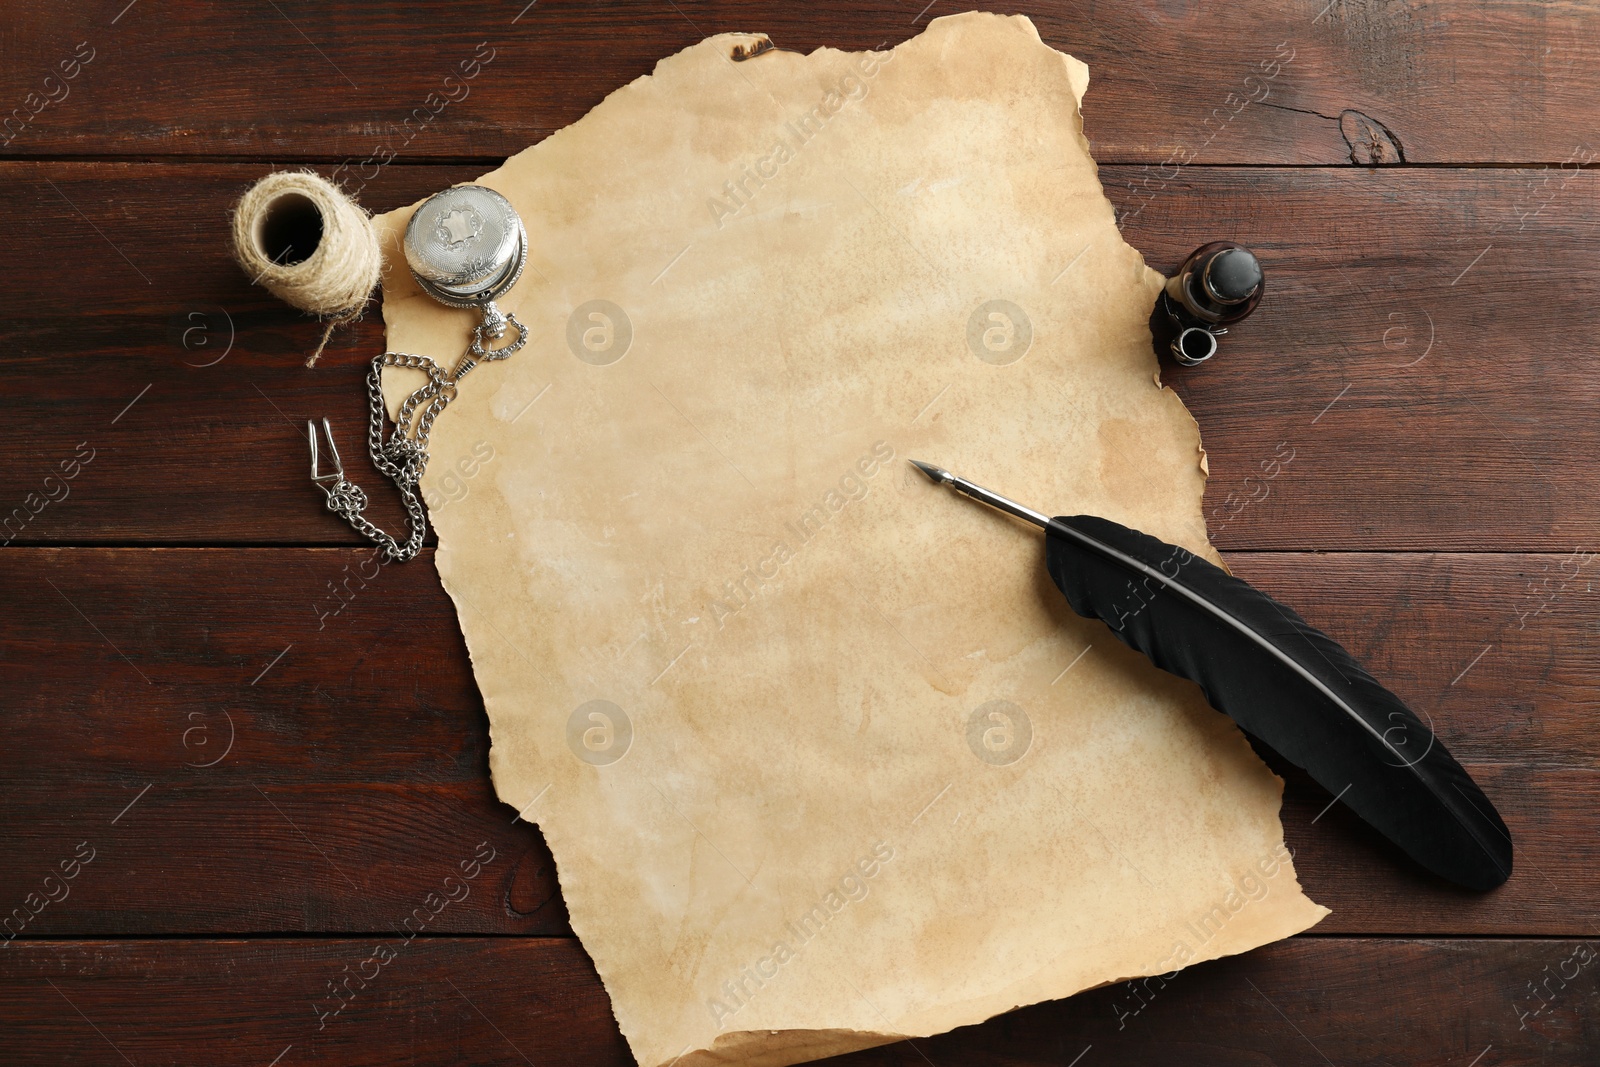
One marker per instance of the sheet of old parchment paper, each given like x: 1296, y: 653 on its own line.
x: 823, y: 757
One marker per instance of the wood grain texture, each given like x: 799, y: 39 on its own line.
x: 430, y: 1000
x: 517, y: 1001
x: 1453, y: 81
x: 356, y: 777
x: 1419, y: 354
x: 230, y: 734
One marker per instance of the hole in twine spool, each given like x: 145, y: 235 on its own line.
x: 308, y: 244
x: 290, y: 229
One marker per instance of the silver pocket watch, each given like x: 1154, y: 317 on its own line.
x: 466, y: 247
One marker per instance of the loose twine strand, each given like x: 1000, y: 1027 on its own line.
x: 335, y: 281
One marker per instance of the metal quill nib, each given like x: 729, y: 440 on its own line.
x: 983, y: 496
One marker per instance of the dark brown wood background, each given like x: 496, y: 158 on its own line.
x: 266, y: 789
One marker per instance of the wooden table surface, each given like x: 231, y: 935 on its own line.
x: 222, y: 787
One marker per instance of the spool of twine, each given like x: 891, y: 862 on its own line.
x: 310, y: 245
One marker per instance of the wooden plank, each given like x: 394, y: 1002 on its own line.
x: 429, y: 1000
x: 293, y: 80
x: 520, y: 1001
x: 282, y: 764
x: 356, y: 777
x: 233, y: 855
x: 1414, y: 359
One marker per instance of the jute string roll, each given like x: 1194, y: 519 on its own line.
x: 311, y: 246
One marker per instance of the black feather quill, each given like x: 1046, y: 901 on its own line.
x: 1282, y: 680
